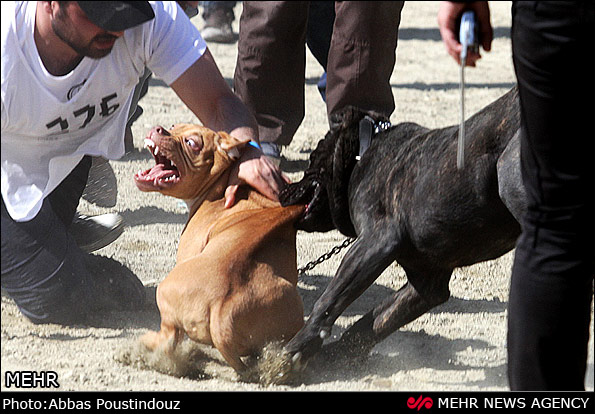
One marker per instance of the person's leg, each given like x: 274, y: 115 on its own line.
x: 552, y: 277
x: 90, y: 232
x: 102, y: 187
x: 210, y: 6
x: 47, y: 274
x: 42, y: 268
x: 362, y: 56
x: 269, y: 74
x: 321, y: 17
x: 218, y: 17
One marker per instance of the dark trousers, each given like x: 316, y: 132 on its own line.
x: 321, y: 18
x: 552, y: 279
x: 270, y: 69
x: 43, y: 269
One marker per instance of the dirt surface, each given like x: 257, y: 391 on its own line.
x: 460, y: 345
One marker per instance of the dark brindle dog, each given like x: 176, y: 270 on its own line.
x: 406, y: 201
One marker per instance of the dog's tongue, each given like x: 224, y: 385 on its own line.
x: 159, y: 172
x: 156, y: 178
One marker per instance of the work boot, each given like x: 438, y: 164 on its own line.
x: 95, y: 232
x: 218, y: 26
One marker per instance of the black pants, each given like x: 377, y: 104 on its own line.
x: 552, y: 279
x: 43, y: 269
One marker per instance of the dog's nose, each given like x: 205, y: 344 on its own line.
x: 159, y: 130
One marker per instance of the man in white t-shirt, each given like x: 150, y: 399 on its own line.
x: 69, y: 70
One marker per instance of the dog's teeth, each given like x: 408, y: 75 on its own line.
x: 173, y: 164
x: 156, y: 151
x: 148, y: 143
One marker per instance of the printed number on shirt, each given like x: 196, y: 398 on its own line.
x: 86, y: 113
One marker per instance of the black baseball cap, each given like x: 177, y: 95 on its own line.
x: 115, y: 16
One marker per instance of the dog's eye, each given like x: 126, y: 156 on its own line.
x: 193, y: 145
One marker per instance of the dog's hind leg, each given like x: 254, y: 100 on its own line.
x: 397, y: 310
x: 165, y: 340
x: 170, y: 333
x: 510, y: 184
x: 230, y: 355
x: 225, y: 338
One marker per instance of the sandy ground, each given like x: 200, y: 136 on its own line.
x: 460, y: 345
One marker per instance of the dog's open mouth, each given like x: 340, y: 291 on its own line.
x: 163, y: 175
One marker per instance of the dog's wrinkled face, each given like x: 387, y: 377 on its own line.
x: 187, y: 159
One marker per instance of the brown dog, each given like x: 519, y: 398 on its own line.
x: 234, y: 285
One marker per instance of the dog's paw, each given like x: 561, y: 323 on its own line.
x: 186, y: 361
x: 273, y: 366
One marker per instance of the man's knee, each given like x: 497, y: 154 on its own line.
x: 63, y: 297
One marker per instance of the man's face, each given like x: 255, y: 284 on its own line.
x: 72, y: 26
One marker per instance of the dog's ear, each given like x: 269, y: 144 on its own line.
x: 229, y: 145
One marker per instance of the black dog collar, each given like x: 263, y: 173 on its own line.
x: 368, y: 127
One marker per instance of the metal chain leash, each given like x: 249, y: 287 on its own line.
x: 311, y: 265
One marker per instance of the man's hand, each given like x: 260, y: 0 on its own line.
x: 256, y: 170
x: 448, y: 18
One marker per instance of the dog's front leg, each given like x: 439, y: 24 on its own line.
x: 397, y: 310
x: 362, y: 264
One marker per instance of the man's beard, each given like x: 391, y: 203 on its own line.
x: 84, y: 50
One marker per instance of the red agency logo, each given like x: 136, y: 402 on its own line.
x: 420, y: 403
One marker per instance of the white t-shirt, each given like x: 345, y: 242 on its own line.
x: 50, y: 122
